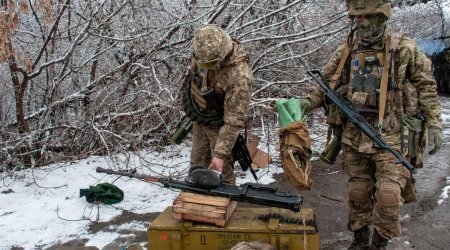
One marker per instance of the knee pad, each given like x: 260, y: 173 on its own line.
x: 358, y: 191
x: 388, y: 195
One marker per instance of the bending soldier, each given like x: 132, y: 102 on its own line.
x: 217, y: 99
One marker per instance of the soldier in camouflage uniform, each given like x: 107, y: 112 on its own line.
x: 356, y: 70
x: 220, y: 65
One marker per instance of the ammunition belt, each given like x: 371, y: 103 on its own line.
x: 286, y: 219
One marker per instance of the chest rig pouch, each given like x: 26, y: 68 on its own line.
x: 365, y: 75
x: 200, y: 101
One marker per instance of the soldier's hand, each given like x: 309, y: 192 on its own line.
x: 217, y: 164
x: 435, y: 137
x: 305, y: 104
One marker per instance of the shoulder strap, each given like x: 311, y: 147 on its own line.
x: 338, y: 73
x: 334, y: 82
x: 384, y: 81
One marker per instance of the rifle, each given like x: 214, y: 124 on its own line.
x: 354, y: 116
x: 249, y: 192
x: 242, y: 156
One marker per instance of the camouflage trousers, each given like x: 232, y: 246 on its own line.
x: 203, y: 142
x: 374, y: 187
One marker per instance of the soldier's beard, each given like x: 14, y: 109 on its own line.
x: 371, y: 29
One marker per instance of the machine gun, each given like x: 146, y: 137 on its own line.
x: 356, y: 118
x: 249, y: 192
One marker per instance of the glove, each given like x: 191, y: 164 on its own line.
x: 305, y: 104
x: 435, y: 137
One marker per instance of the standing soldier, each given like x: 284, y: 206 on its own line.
x: 389, y: 81
x: 217, y: 98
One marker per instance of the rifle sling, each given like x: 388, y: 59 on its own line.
x: 337, y: 74
x: 333, y: 84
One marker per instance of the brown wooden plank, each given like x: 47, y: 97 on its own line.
x: 197, y: 218
x: 203, y: 199
x: 200, y: 212
x: 203, y: 207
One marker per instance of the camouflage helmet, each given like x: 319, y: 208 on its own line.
x: 369, y: 7
x: 211, y: 45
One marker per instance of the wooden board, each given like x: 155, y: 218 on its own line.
x: 203, y: 208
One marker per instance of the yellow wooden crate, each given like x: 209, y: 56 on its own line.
x: 245, y: 224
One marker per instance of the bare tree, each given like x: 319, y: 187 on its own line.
x: 100, y: 77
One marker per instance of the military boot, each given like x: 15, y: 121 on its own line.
x: 378, y: 242
x: 361, y: 239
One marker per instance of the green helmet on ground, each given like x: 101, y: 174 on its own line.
x: 211, y: 45
x: 369, y: 7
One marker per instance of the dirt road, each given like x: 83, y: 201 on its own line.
x: 425, y: 225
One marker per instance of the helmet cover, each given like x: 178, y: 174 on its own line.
x: 369, y: 7
x: 211, y: 45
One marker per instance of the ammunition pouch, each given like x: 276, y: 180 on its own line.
x: 414, y: 139
x: 364, y: 93
x: 409, y: 192
x: 209, y: 118
x: 413, y: 145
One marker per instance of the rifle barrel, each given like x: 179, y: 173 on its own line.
x: 147, y: 178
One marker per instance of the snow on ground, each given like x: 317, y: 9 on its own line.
x: 42, y: 207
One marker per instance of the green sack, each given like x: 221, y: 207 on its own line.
x: 289, y: 111
x: 294, y: 108
x: 283, y: 114
x: 103, y: 192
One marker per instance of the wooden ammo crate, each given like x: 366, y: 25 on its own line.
x: 203, y: 208
x: 245, y: 224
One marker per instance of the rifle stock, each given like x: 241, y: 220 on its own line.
x: 249, y: 192
x: 356, y: 118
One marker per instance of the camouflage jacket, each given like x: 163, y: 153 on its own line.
x: 232, y: 85
x: 416, y: 92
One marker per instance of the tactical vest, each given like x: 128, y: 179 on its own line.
x: 200, y: 101
x: 367, y: 78
x: 203, y: 80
